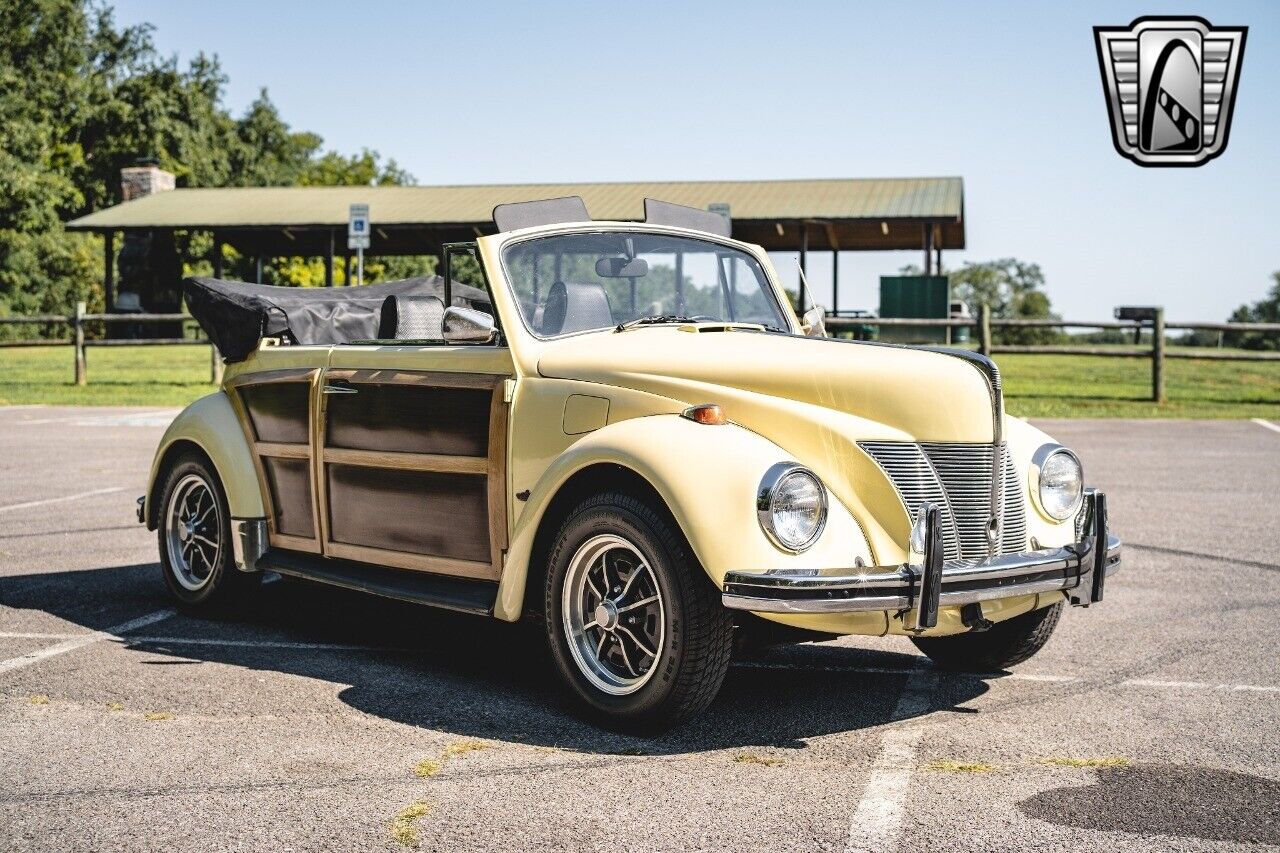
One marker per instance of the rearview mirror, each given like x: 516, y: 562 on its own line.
x: 622, y: 267
x: 468, y: 326
x: 814, y: 322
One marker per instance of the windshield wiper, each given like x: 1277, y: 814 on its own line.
x: 653, y: 320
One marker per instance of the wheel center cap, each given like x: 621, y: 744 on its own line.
x: 184, y: 532
x: 606, y: 615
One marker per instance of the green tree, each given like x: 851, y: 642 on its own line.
x: 1265, y: 310
x: 1014, y: 289
x: 81, y: 98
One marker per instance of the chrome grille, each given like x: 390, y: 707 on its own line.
x: 957, y: 477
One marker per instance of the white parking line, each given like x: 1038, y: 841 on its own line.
x: 159, y: 418
x: 1260, y: 422
x: 1012, y: 676
x: 877, y: 821
x: 900, y: 670
x: 73, y: 643
x: 917, y: 676
x: 74, y: 497
x: 259, y: 644
x: 1199, y: 685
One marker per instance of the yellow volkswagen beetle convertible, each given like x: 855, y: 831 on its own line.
x: 622, y: 431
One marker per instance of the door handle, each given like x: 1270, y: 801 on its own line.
x: 344, y: 388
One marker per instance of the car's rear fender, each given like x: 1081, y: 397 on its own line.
x: 211, y: 425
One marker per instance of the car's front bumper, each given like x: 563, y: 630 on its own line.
x: 925, y: 583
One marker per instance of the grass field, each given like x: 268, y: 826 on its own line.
x: 1035, y: 385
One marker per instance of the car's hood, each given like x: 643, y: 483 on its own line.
x: 815, y: 398
x: 895, y: 392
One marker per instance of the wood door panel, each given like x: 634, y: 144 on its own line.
x: 418, y: 512
x: 410, y: 419
x: 412, y: 470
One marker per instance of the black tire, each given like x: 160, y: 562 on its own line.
x: 223, y: 586
x: 999, y: 647
x: 693, y: 656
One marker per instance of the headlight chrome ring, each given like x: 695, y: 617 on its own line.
x: 1051, y: 457
x: 788, y: 481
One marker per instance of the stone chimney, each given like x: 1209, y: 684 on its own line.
x: 146, y: 178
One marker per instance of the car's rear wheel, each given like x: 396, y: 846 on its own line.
x: 636, y: 629
x: 999, y: 647
x: 195, y: 538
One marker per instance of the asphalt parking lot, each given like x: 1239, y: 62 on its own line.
x: 320, y: 719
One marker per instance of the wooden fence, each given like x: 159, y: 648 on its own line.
x: 984, y: 323
x: 1157, y: 351
x: 80, y: 318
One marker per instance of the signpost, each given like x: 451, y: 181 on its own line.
x: 358, y: 236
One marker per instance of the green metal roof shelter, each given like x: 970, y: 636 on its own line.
x: 857, y: 214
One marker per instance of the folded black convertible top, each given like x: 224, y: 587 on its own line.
x: 236, y: 314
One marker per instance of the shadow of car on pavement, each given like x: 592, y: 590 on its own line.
x: 478, y: 677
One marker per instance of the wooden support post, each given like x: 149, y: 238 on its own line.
x: 217, y: 255
x: 328, y: 262
x: 984, y: 329
x: 77, y: 328
x: 1157, y: 357
x: 926, y: 240
x: 109, y: 268
x: 258, y: 264
x: 835, y: 282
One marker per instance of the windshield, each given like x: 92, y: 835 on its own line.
x: 598, y: 280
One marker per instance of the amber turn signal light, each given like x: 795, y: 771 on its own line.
x: 709, y: 414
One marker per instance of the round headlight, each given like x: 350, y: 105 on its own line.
x: 792, y: 506
x: 1057, y: 481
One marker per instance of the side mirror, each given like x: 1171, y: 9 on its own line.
x: 814, y: 322
x: 468, y: 326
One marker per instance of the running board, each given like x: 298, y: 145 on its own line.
x: 468, y: 596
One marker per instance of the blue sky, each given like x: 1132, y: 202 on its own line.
x: 1006, y: 95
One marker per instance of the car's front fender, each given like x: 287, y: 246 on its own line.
x: 211, y: 424
x: 708, y: 477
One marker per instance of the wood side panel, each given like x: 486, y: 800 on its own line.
x: 282, y: 451
x: 279, y: 412
x: 497, y: 478
x: 289, y: 481
x: 437, y: 463
x: 319, y: 437
x: 263, y: 377
x: 416, y: 512
x: 480, y: 570
x: 407, y: 418
x: 429, y: 378
x: 234, y: 387
x: 294, y: 543
x: 315, y: 434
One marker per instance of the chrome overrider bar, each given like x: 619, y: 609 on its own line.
x: 926, y: 583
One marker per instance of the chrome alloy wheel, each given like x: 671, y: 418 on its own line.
x: 193, y: 532
x: 612, y: 614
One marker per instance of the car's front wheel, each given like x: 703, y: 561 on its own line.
x: 635, y: 627
x: 195, y: 538
x: 999, y: 647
